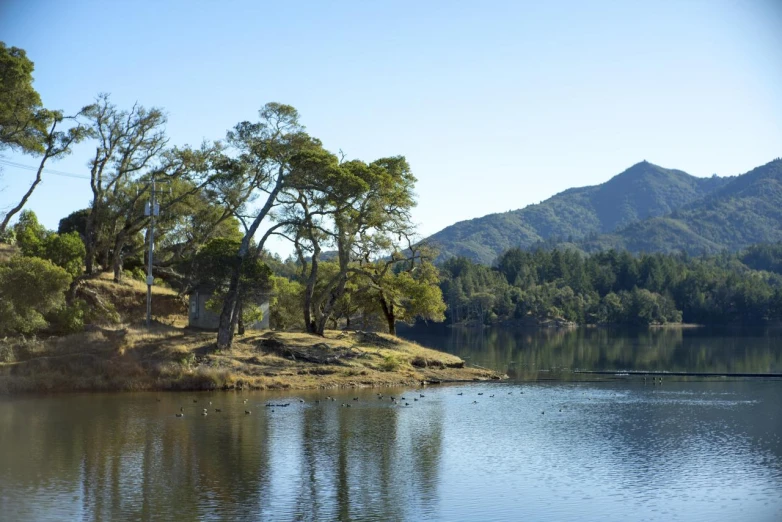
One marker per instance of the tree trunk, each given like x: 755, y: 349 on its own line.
x: 388, y: 312
x: 225, y: 332
x: 11, y: 213
x: 105, y: 259
x: 320, y: 326
x: 116, y: 263
x: 240, y: 319
x: 117, y: 266
x: 309, y: 291
x: 49, y: 152
x: 89, y: 242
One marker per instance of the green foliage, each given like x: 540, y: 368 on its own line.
x: 30, y: 288
x: 286, y: 304
x: 8, y: 236
x: 30, y: 234
x: 70, y: 318
x: 616, y: 287
x: 213, y: 263
x: 137, y: 274
x: 360, y: 210
x: 390, y: 363
x: 23, y: 119
x: 212, y: 267
x: 74, y: 222
x: 66, y: 251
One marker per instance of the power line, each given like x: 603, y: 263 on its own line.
x: 46, y: 170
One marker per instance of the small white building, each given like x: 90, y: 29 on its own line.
x: 200, y: 317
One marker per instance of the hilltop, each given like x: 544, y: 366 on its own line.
x: 642, y: 191
x: 745, y: 211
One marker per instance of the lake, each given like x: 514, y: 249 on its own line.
x: 548, y: 444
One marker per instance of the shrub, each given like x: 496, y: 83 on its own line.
x: 66, y: 251
x: 8, y: 236
x: 390, y: 363
x: 30, y: 234
x: 286, y: 304
x: 70, y: 318
x: 30, y: 288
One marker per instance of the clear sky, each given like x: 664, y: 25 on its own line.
x: 495, y: 104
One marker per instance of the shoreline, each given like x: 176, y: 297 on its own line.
x: 572, y: 326
x: 166, y: 358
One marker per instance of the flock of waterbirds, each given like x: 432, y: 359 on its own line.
x: 396, y: 401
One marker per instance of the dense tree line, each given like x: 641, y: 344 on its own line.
x: 616, y: 287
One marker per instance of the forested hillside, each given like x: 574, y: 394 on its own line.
x: 745, y: 211
x: 642, y: 191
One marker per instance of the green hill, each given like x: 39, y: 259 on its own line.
x: 745, y: 211
x: 579, y: 214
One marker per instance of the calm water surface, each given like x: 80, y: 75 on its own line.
x: 615, y: 450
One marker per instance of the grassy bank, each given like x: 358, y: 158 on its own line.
x: 171, y: 358
x: 116, y: 354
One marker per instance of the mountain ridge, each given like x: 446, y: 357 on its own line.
x: 642, y: 191
x: 745, y: 211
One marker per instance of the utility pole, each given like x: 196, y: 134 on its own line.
x: 151, y: 209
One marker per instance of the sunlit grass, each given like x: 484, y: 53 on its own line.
x: 163, y: 357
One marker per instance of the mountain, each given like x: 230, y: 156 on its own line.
x: 579, y: 214
x: 744, y: 211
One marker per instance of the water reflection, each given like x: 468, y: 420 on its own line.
x: 101, y: 457
x: 535, y: 354
x: 704, y: 450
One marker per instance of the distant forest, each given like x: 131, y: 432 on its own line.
x: 615, y: 287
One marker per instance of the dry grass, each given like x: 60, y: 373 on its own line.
x: 128, y: 298
x: 127, y: 356
x: 169, y: 358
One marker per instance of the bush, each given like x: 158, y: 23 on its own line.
x: 66, y: 251
x: 286, y: 304
x: 70, y: 318
x: 8, y: 236
x: 390, y: 363
x: 30, y: 288
x: 30, y: 234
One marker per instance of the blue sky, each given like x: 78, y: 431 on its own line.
x: 495, y: 104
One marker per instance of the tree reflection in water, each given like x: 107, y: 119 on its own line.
x: 535, y: 354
